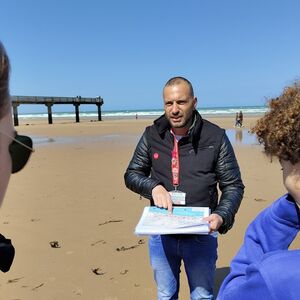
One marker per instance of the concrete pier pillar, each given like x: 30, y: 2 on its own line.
x: 49, y: 107
x: 99, y: 111
x: 77, y: 111
x: 15, y: 112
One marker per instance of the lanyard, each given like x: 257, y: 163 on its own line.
x: 175, y: 164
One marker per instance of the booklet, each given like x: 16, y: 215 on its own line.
x: 183, y: 220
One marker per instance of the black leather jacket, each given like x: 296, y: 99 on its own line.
x: 206, y: 159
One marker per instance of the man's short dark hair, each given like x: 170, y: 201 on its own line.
x: 177, y: 80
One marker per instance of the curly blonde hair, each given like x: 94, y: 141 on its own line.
x: 279, y: 129
x: 4, y: 81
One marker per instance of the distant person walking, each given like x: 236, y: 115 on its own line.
x: 237, y: 120
x: 239, y: 117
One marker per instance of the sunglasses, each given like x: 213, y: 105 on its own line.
x: 20, y: 150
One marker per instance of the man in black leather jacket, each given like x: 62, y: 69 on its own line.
x: 184, y: 153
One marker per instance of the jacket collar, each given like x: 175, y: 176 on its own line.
x: 162, y: 124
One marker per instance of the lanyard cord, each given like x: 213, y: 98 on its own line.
x: 175, y: 163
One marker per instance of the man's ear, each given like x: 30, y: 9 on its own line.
x: 195, y: 102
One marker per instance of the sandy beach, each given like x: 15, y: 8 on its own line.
x: 72, y: 195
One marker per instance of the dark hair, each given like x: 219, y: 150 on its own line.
x: 4, y: 81
x: 279, y: 129
x: 177, y: 80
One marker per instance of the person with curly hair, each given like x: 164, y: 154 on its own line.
x: 264, y: 267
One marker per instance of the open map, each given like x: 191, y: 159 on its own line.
x: 183, y: 220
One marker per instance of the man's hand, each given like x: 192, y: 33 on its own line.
x: 215, y: 221
x: 162, y: 198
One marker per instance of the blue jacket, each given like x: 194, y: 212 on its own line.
x: 264, y: 268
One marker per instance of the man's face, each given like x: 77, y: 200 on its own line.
x: 178, y: 105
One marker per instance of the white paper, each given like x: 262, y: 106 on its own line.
x: 183, y: 220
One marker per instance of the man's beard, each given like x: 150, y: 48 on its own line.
x: 186, y: 123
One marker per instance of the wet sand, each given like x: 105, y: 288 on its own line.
x: 71, y: 218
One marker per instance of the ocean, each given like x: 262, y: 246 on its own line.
x: 120, y: 114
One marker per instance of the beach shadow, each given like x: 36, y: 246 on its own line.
x: 221, y: 273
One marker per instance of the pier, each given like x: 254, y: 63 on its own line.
x: 50, y: 101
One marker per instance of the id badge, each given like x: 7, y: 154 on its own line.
x: 177, y: 197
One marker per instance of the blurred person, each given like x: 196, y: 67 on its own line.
x: 241, y: 118
x: 237, y: 120
x: 264, y: 267
x: 14, y: 150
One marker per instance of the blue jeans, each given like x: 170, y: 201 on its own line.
x: 199, y: 254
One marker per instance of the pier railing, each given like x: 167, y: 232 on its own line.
x: 50, y: 101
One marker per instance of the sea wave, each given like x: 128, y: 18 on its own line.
x: 144, y: 113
